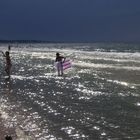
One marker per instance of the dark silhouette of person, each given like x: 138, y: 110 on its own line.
x: 8, y: 64
x: 8, y: 138
x: 59, y: 59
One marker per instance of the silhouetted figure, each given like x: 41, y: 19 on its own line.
x: 59, y: 59
x: 8, y: 138
x: 8, y: 64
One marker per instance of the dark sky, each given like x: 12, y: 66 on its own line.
x: 70, y: 20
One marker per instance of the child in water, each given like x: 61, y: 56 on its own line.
x: 8, y: 62
x: 59, y: 59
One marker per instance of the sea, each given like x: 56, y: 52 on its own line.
x: 98, y: 98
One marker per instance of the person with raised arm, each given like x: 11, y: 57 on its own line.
x: 8, y: 64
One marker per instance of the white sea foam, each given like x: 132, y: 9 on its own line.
x: 93, y: 65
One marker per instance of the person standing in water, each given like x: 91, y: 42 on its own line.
x: 8, y: 64
x: 59, y: 59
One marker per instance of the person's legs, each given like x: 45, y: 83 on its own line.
x: 61, y: 68
x: 8, y: 70
x: 58, y: 68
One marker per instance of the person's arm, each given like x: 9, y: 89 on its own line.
x: 2, y: 53
x: 64, y: 58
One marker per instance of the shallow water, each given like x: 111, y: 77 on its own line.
x: 97, y: 99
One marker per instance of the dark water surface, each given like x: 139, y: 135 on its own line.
x: 97, y: 99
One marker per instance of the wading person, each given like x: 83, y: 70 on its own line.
x: 8, y: 64
x: 59, y: 59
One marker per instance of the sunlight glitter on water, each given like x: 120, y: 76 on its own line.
x: 87, y: 103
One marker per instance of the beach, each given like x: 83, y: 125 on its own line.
x: 98, y: 98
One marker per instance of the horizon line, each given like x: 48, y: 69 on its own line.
x: 44, y: 41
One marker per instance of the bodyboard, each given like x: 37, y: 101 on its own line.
x: 67, y: 64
